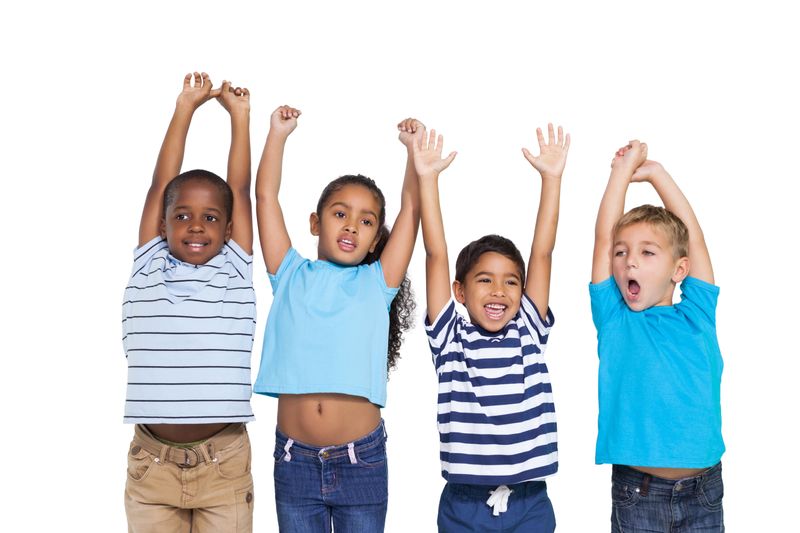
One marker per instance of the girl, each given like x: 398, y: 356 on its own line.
x: 325, y: 346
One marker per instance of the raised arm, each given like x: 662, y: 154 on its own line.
x: 676, y: 203
x: 236, y: 102
x: 272, y: 232
x: 197, y: 90
x: 428, y: 162
x: 397, y: 253
x: 625, y: 162
x: 550, y: 163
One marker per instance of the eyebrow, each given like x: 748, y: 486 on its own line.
x: 487, y: 273
x: 174, y: 207
x: 646, y: 243
x: 345, y: 205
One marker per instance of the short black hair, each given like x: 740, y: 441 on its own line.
x: 488, y: 243
x: 174, y: 186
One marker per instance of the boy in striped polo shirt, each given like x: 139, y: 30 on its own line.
x: 496, y: 418
x: 188, y: 324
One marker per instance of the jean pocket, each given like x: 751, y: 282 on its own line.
x: 233, y: 462
x: 710, y: 494
x: 140, y: 462
x: 623, y: 495
x: 372, y: 456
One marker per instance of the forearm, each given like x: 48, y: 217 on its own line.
x: 170, y: 157
x: 437, y: 267
x: 270, y: 169
x: 239, y: 155
x: 611, y: 209
x: 544, y: 236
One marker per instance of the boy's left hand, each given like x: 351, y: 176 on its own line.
x: 647, y: 171
x: 408, y: 129
x: 234, y: 99
x: 552, y: 154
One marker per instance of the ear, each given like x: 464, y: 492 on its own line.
x: 681, y: 270
x: 163, y: 228
x: 313, y: 221
x: 375, y: 242
x: 458, y: 292
x: 228, y: 230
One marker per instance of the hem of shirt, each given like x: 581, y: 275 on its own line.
x: 275, y: 390
x: 188, y: 420
x: 495, y: 481
x: 661, y: 462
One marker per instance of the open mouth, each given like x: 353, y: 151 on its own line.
x: 346, y: 245
x: 633, y: 288
x: 494, y: 311
x: 196, y: 246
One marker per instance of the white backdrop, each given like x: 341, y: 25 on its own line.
x: 88, y: 90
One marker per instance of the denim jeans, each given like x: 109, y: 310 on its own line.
x: 463, y: 508
x: 344, y: 485
x: 644, y: 503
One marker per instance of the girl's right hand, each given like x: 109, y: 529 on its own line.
x: 196, y: 94
x: 284, y: 120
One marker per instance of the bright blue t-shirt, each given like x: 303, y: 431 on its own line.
x: 327, y: 330
x: 659, y: 379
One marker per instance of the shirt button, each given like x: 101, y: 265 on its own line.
x: 135, y: 450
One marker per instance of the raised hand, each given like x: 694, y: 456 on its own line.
x: 408, y: 129
x: 630, y: 157
x: 648, y: 171
x: 428, y: 159
x: 197, y: 90
x: 283, y: 120
x: 552, y: 154
x: 234, y: 99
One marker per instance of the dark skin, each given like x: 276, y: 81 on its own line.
x: 196, y: 226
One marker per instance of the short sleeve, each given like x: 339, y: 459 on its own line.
x: 142, y: 255
x: 442, y: 329
x: 606, y: 301
x: 388, y: 292
x: 699, y: 297
x: 530, y: 314
x: 291, y: 262
x: 241, y: 260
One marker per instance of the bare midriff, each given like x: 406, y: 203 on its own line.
x: 326, y: 419
x: 670, y: 473
x: 185, y: 432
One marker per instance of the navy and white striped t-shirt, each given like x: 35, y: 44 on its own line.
x: 188, y: 335
x: 496, y: 416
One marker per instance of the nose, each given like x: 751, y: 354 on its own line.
x: 630, y: 261
x: 497, y: 289
x: 349, y: 228
x: 196, y: 226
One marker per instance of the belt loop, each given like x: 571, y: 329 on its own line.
x: 352, y: 453
x: 162, y: 455
x: 645, y: 487
x: 288, y: 456
x: 202, y: 451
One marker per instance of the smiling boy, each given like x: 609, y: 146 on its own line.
x: 660, y: 364
x: 496, y: 415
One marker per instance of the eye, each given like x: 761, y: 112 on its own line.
x: 484, y: 280
x: 648, y: 252
x: 339, y: 214
x: 181, y: 216
x: 512, y: 282
x: 619, y: 253
x: 211, y: 218
x: 367, y: 222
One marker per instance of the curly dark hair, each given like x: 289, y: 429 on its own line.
x: 401, y: 312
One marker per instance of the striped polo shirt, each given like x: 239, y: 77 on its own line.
x: 496, y: 415
x: 188, y: 332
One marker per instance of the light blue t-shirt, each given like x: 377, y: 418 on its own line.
x: 327, y: 330
x: 659, y: 379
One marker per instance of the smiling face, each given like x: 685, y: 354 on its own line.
x: 491, y: 291
x: 195, y: 223
x: 644, y: 266
x: 347, y: 225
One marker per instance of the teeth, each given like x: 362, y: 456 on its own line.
x: 496, y: 306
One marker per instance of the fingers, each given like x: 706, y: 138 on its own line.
x: 410, y: 125
x: 187, y: 81
x: 566, y: 143
x: 528, y: 155
x: 449, y: 159
x: 560, y: 139
x: 550, y: 134
x: 540, y: 138
x: 286, y: 112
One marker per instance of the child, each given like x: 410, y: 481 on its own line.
x: 325, y: 345
x: 660, y: 364
x: 496, y: 418
x: 188, y: 324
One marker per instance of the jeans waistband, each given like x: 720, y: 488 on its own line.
x: 648, y: 482
x: 291, y: 446
x: 204, y: 452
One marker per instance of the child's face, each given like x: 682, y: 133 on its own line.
x: 196, y: 225
x: 644, y: 266
x: 491, y: 291
x: 348, y: 225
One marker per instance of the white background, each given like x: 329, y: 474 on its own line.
x: 88, y: 90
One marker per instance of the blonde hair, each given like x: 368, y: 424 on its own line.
x: 659, y: 218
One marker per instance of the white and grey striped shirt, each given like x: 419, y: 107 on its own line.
x: 188, y: 336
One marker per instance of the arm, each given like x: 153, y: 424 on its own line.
x: 676, y: 203
x: 237, y: 103
x: 170, y: 158
x: 429, y: 164
x: 550, y: 164
x: 272, y: 232
x: 625, y: 162
x: 397, y: 253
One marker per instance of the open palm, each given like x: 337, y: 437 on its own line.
x: 428, y: 154
x: 552, y: 154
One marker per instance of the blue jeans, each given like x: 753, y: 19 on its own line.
x: 644, y: 503
x: 345, y: 485
x: 463, y: 508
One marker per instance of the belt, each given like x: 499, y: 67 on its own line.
x: 184, y: 457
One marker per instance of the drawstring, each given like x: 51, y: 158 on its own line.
x: 352, y: 453
x: 498, y: 500
x: 288, y: 456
